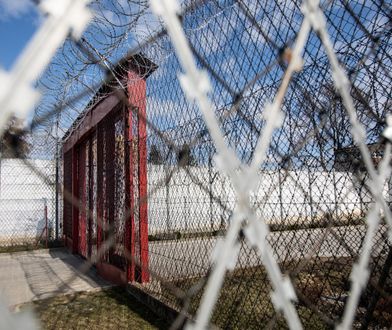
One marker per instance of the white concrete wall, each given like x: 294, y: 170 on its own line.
x: 301, y: 196
x: 184, y: 206
x: 22, y: 199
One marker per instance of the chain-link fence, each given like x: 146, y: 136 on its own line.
x: 260, y: 194
x: 29, y: 205
x: 312, y: 189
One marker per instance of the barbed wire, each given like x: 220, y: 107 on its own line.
x: 240, y: 134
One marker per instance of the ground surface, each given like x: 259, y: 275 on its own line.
x: 190, y: 257
x: 32, y: 275
x: 245, y: 302
x: 107, y: 309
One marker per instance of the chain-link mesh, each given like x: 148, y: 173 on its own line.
x: 313, y: 186
x: 27, y: 201
x: 162, y: 205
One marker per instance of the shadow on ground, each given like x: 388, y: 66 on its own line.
x: 107, y: 309
x: 31, y: 275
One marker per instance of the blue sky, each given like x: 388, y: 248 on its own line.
x: 18, y: 21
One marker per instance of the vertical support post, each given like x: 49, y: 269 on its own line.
x: 129, y: 196
x: 90, y: 196
x: 210, y: 181
x: 143, y: 210
x: 67, y: 172
x: 310, y: 196
x: 82, y: 159
x: 335, y: 196
x: 137, y: 97
x: 100, y: 192
x: 57, y: 183
x: 110, y: 145
x: 75, y: 195
x: 361, y: 190
x: 46, y: 222
x: 281, y: 198
x: 167, y: 200
x: 67, y: 191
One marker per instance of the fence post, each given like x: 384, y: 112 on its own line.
x: 137, y: 97
x: 143, y: 210
x: 75, y: 196
x: 129, y: 197
x: 335, y: 195
x: 57, y: 192
x: 361, y: 197
x: 91, y: 184
x: 210, y: 180
x: 280, y: 196
x: 100, y: 187
x: 310, y: 196
x: 168, y: 223
x: 110, y: 145
x: 46, y: 222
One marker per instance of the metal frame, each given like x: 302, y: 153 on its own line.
x: 100, y: 120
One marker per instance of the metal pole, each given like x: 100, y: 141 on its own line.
x: 46, y: 221
x: 335, y: 196
x: 281, y: 199
x: 210, y: 179
x: 57, y: 192
x: 310, y: 197
x: 168, y: 222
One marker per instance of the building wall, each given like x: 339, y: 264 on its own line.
x: 302, y: 198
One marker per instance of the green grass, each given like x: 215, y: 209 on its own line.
x: 245, y: 303
x: 107, y: 309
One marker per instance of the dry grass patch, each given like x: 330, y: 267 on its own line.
x: 106, y: 309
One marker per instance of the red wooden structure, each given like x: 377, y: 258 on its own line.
x: 105, y: 173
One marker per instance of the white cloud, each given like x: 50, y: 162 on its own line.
x: 14, y: 8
